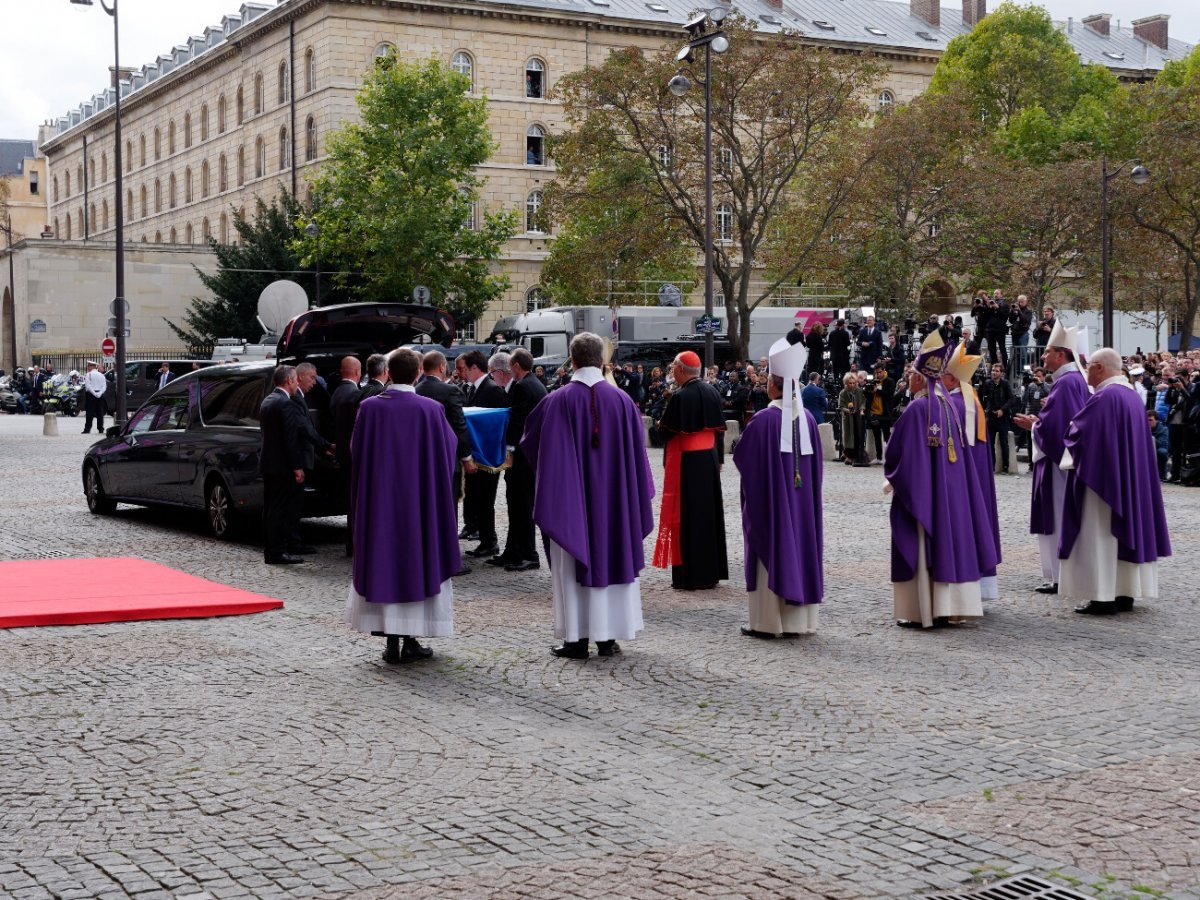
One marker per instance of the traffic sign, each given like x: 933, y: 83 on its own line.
x: 108, y: 346
x: 422, y: 294
x: 114, y: 307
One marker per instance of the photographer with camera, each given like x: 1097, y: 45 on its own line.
x: 996, y: 329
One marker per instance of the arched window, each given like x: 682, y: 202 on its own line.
x: 172, y: 196
x: 104, y: 215
x: 57, y: 231
x: 187, y: 130
x: 463, y: 65
x: 241, y: 166
x: 173, y: 236
x: 144, y: 205
x: 384, y: 52
x: 285, y: 153
x: 91, y: 219
x: 143, y: 239
x: 221, y: 114
x: 92, y: 170
x: 157, y: 143
x: 310, y: 71
x: 67, y: 182
x: 259, y: 100
x: 206, y: 229
x: 141, y: 149
x: 79, y: 176
x: 535, y: 79
x: 222, y: 174
x: 171, y: 138
x: 724, y: 223
x: 204, y: 179
x: 285, y: 89
x: 189, y: 235
x: 535, y: 299
x: 158, y: 237
x: 533, y: 206
x: 204, y: 122
x: 224, y: 228
x: 241, y: 105
x: 104, y: 168
x: 68, y: 234
x: 535, y: 146
x: 129, y: 156
x: 260, y: 158
x: 157, y: 196
x: 886, y: 100
x: 82, y: 224
x: 310, y: 139
x: 129, y: 202
x: 187, y: 185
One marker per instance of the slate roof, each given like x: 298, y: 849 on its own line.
x: 13, y: 155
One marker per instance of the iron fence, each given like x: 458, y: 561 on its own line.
x: 66, y: 360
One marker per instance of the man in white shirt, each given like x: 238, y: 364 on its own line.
x: 94, y: 385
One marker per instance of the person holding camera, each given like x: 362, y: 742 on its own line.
x: 1020, y: 320
x: 1045, y: 327
x: 996, y: 329
x: 877, y: 397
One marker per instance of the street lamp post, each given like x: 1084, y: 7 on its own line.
x: 119, y: 305
x: 1139, y: 174
x: 10, y: 327
x: 711, y: 41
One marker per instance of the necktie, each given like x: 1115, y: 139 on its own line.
x: 470, y: 394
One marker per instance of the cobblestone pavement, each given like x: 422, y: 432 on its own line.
x: 275, y: 755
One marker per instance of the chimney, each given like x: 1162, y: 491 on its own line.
x: 927, y: 11
x: 974, y: 11
x: 1153, y: 30
x: 1098, y: 23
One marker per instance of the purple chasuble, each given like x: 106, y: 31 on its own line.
x: 932, y: 492
x: 1068, y: 393
x: 1113, y: 454
x: 981, y: 480
x: 781, y: 521
x: 402, y: 465
x: 593, y: 485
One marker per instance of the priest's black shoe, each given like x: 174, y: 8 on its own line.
x: 750, y: 632
x: 526, y: 565
x: 572, y: 649
x: 412, y: 651
x: 482, y: 552
x: 285, y: 559
x: 1095, y: 608
x: 1124, y: 604
x: 499, y: 561
x: 468, y: 535
x: 607, y: 648
x: 1047, y: 587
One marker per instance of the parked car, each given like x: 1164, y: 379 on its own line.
x: 141, y: 379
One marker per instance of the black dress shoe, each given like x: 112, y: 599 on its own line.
x: 527, y: 565
x: 750, y: 632
x: 572, y: 649
x: 284, y: 560
x: 465, y: 570
x: 1047, y: 587
x: 468, y: 535
x: 499, y: 561
x: 1096, y: 608
x: 413, y: 651
x: 303, y: 550
x: 482, y: 552
x: 1124, y: 604
x: 607, y: 648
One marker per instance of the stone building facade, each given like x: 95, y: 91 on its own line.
x: 245, y: 109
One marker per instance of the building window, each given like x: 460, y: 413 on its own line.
x: 144, y: 205
x: 285, y: 150
x: 187, y: 185
x: 141, y: 149
x: 724, y: 223
x: 91, y: 218
x: 469, y: 220
x: 103, y: 168
x: 535, y: 146
x: 104, y: 215
x: 157, y: 196
x: 384, y: 52
x: 204, y: 179
x: 171, y: 138
x: 725, y: 162
x: 241, y: 105
x: 886, y: 100
x: 310, y: 71
x: 33, y: 183
x: 67, y: 183
x: 259, y: 100
x: 285, y: 88
x: 172, y: 195
x: 222, y: 174
x: 129, y: 156
x: 174, y: 237
x: 221, y: 114
x: 467, y: 333
x: 535, y: 299
x: 533, y: 206
x: 310, y: 139
x: 92, y: 170
x: 129, y: 201
x: 206, y: 230
x: 260, y: 158
x: 664, y: 158
x: 54, y: 190
x: 189, y: 235
x: 535, y: 79
x: 187, y: 130
x: 158, y: 237
x: 56, y: 228
x: 79, y: 176
x: 204, y: 122
x: 68, y: 234
x: 462, y: 64
x: 157, y: 144
x: 241, y: 164
x: 224, y: 228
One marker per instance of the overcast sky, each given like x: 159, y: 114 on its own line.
x: 56, y: 54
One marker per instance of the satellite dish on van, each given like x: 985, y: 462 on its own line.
x: 279, y: 303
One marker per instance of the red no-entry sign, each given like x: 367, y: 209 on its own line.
x: 108, y: 346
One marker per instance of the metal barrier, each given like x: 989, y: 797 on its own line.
x: 66, y: 360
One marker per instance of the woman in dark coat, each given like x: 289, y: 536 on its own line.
x: 815, y: 343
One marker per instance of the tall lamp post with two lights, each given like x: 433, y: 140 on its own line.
x: 704, y: 31
x: 120, y: 309
x: 1139, y: 174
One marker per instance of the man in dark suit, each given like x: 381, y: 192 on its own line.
x: 524, y: 393
x: 281, y: 464
x: 377, y: 376
x: 839, y: 350
x: 343, y: 407
x: 485, y: 382
x: 436, y: 386
x: 164, y: 375
x: 870, y: 344
x: 311, y: 440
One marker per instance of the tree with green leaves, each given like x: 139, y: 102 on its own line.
x: 396, y: 199
x: 780, y: 109
x: 264, y: 253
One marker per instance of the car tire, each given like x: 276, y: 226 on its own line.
x: 93, y: 489
x: 218, y: 506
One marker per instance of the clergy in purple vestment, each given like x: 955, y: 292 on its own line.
x: 402, y: 455
x: 781, y: 522
x: 1068, y: 392
x: 935, y: 556
x: 592, y: 493
x: 1114, y: 528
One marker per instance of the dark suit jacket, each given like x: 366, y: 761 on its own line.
x: 310, y: 438
x: 870, y: 346
x: 343, y: 408
x: 838, y: 341
x: 523, y: 396
x: 373, y: 388
x: 282, y: 448
x: 452, y: 401
x: 490, y: 394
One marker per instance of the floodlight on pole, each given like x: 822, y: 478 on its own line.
x: 1139, y: 174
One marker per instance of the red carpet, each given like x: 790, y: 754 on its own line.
x: 116, y: 589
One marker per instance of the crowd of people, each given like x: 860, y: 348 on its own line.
x: 576, y: 466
